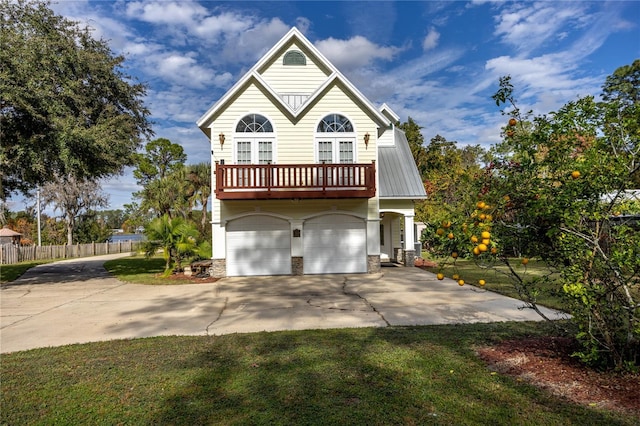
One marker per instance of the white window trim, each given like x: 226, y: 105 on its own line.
x: 254, y: 138
x: 335, y: 138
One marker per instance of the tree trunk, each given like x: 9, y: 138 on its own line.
x: 70, y: 223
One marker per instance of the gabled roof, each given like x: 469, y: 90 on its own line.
x: 254, y: 76
x: 6, y: 232
x: 399, y: 176
x: 389, y: 113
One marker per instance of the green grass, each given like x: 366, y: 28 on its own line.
x: 378, y: 376
x: 12, y: 272
x: 141, y: 270
x: 499, y: 281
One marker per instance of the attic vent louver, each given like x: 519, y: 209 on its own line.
x: 294, y: 57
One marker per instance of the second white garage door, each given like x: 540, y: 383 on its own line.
x: 258, y: 245
x: 335, y: 243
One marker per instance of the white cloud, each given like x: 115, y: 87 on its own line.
x: 183, y: 12
x: 184, y: 69
x: 431, y: 40
x: 545, y: 82
x: 248, y: 46
x: 527, y: 26
x: 303, y: 24
x: 213, y: 27
x: 357, y: 52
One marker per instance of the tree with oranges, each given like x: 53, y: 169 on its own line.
x: 560, y: 188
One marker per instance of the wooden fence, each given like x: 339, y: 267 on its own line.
x: 10, y: 253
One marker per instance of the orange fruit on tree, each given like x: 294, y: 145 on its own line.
x: 483, y: 216
x: 450, y: 236
x: 575, y: 174
x: 482, y: 248
x: 454, y: 254
x: 480, y: 205
x: 513, y: 122
x: 446, y: 224
x: 494, y: 250
x: 486, y: 241
x: 440, y: 232
x: 460, y: 282
x: 440, y: 276
x: 486, y: 234
x: 482, y: 282
x: 455, y: 276
x: 474, y: 239
x: 524, y: 261
x: 476, y: 251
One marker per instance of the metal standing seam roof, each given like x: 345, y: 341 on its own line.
x: 398, y: 174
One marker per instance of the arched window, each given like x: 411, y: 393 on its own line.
x: 254, y: 123
x: 294, y: 57
x: 335, y: 123
x: 254, y: 140
x: 335, y: 140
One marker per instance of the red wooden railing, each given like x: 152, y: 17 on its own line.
x: 276, y: 181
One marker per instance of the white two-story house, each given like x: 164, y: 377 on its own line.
x: 309, y: 177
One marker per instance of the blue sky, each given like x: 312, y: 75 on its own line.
x: 435, y: 61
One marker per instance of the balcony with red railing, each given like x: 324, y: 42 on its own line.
x: 282, y: 181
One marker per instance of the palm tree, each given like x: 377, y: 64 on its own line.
x: 199, y: 178
x: 175, y: 236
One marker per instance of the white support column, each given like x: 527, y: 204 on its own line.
x: 219, y: 240
x: 409, y: 237
x: 297, y: 246
x: 373, y: 236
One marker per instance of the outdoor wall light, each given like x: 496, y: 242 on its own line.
x: 366, y: 139
x: 221, y: 138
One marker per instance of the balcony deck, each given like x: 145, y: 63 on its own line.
x: 295, y: 181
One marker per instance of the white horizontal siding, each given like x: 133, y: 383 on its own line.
x: 294, y: 78
x: 295, y: 140
x: 293, y: 209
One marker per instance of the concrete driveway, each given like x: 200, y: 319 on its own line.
x: 77, y: 301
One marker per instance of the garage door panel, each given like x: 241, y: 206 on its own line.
x: 334, y: 244
x: 258, y: 246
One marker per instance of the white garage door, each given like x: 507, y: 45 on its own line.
x: 258, y: 245
x: 335, y: 243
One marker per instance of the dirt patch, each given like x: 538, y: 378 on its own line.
x: 180, y: 276
x: 546, y: 362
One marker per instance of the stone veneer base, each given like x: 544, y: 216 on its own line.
x: 297, y: 265
x: 373, y: 263
x: 409, y: 258
x: 218, y: 268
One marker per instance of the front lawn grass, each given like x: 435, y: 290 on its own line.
x: 378, y: 376
x: 14, y: 271
x: 141, y: 270
x: 499, y: 281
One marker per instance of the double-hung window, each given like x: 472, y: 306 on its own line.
x: 254, y: 142
x: 335, y: 143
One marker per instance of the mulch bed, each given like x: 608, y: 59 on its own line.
x: 193, y: 278
x: 546, y: 362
